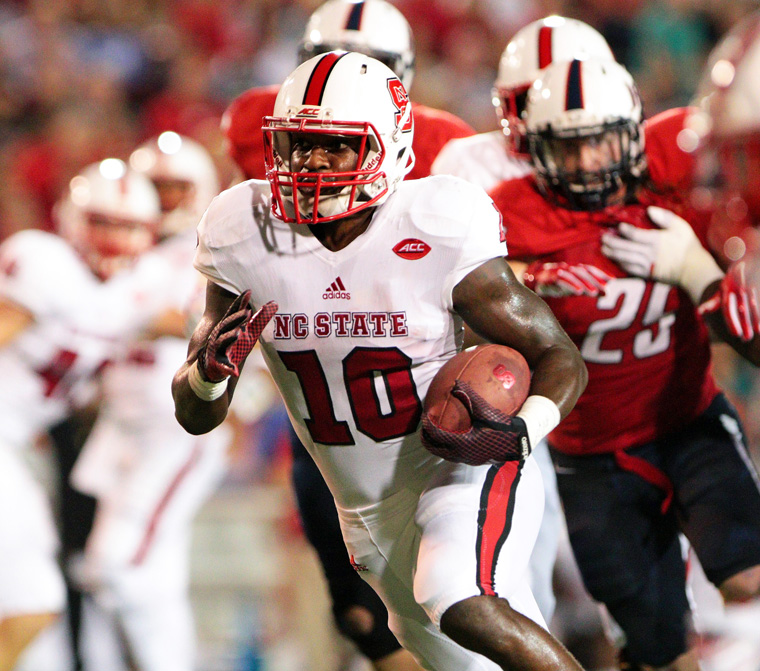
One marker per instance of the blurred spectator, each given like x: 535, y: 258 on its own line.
x: 671, y: 41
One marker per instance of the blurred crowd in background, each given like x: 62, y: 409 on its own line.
x: 82, y: 80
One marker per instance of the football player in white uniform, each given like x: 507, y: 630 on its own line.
x: 65, y: 308
x: 380, y: 30
x: 148, y: 475
x: 362, y: 326
x: 489, y: 158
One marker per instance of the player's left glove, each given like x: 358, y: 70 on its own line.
x: 556, y: 279
x: 493, y: 437
x: 671, y: 254
x: 233, y: 338
x: 738, y: 301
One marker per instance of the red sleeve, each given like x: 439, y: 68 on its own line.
x: 670, y: 167
x: 433, y: 128
x: 534, y: 226
x: 241, y: 125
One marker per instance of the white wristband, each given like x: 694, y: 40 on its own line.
x: 206, y: 391
x: 699, y: 273
x: 541, y: 415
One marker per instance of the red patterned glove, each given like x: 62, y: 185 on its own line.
x: 493, y: 437
x: 738, y: 301
x: 563, y: 279
x: 233, y: 338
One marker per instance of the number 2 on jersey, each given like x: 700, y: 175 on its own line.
x: 630, y: 292
x: 363, y: 369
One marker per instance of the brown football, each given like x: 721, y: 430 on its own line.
x: 499, y: 374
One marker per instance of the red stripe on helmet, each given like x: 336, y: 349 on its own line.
x: 545, y: 46
x: 315, y: 89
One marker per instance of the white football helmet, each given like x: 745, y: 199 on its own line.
x: 110, y: 215
x: 185, y: 175
x: 533, y: 48
x: 727, y: 118
x: 584, y: 131
x: 339, y: 94
x: 372, y: 27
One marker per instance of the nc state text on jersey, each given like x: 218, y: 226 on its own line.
x: 341, y: 325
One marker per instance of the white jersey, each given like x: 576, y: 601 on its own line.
x: 135, y: 387
x: 481, y: 159
x: 360, y: 332
x: 150, y: 477
x: 78, y: 324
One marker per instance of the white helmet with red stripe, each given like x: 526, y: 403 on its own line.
x: 372, y: 27
x: 185, y: 175
x: 584, y: 131
x: 533, y: 48
x: 727, y: 120
x: 340, y: 94
x: 110, y: 215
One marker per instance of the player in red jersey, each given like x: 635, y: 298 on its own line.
x: 372, y: 27
x: 652, y: 447
x: 376, y: 28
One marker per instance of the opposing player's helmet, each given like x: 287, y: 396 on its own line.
x: 184, y: 174
x: 583, y: 122
x: 727, y: 120
x: 372, y: 27
x: 536, y: 46
x: 339, y: 94
x: 110, y: 215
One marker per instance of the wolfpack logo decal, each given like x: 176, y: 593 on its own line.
x: 411, y: 249
x: 400, y: 99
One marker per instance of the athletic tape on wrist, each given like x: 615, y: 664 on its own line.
x: 204, y: 390
x: 540, y: 415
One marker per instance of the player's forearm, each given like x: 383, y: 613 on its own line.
x: 196, y: 415
x: 560, y: 375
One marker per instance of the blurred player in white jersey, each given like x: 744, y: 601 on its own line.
x: 65, y: 309
x: 148, y: 475
x: 489, y: 158
x: 446, y: 545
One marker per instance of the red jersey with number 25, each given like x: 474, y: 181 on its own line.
x: 646, y: 349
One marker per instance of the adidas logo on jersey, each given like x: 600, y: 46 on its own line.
x: 336, y: 290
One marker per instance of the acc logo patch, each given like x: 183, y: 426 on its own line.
x: 309, y: 112
x: 411, y: 249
